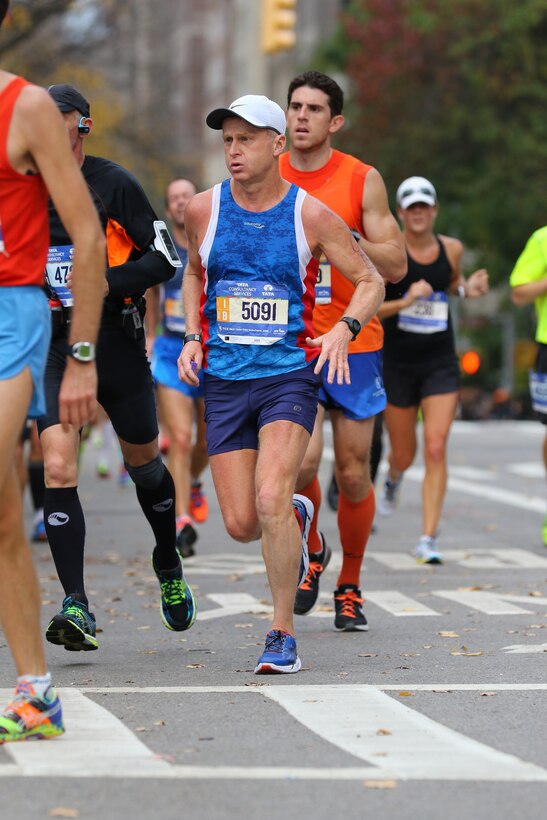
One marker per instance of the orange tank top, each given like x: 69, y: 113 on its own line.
x: 24, y: 230
x: 339, y: 185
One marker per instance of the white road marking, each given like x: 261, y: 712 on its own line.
x: 96, y: 744
x: 491, y: 603
x: 398, y: 604
x: 527, y: 469
x: 471, y: 558
x: 99, y: 745
x: 416, y: 748
x: 525, y: 649
x: 233, y: 603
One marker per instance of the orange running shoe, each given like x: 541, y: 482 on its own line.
x: 28, y: 717
x: 199, y: 508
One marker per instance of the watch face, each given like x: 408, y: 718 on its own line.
x: 83, y: 351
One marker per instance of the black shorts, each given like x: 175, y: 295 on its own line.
x: 125, y: 389
x: 407, y: 384
x: 541, y: 367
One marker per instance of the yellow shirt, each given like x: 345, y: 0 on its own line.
x: 531, y: 266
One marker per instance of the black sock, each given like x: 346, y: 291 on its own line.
x: 65, y: 527
x: 36, y: 482
x: 158, y: 505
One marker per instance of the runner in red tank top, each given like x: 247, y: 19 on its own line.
x: 34, y: 158
x: 356, y: 192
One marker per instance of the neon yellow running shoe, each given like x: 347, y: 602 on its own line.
x: 29, y: 717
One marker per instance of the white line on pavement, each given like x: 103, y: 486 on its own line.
x: 370, y: 724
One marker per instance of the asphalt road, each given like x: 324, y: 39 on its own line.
x: 438, y: 711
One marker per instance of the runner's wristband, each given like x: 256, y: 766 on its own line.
x: 193, y: 337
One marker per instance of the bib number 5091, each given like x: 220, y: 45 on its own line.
x: 258, y: 311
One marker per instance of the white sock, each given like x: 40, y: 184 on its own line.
x: 40, y: 683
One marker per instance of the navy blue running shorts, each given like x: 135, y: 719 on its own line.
x: 407, y: 384
x: 235, y: 411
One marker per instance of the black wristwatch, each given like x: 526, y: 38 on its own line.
x: 353, y: 325
x: 193, y: 337
x: 82, y: 351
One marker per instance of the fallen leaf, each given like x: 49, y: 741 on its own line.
x: 159, y: 723
x: 367, y: 655
x: 488, y: 694
x: 195, y: 665
x: 140, y: 729
x: 243, y: 626
x: 141, y: 628
x: 383, y: 732
x: 535, y: 594
x: 63, y: 811
x: 448, y: 634
x: 381, y: 784
x: 406, y: 694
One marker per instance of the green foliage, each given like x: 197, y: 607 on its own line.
x: 454, y: 90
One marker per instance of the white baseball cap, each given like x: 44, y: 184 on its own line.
x: 255, y: 109
x: 416, y: 189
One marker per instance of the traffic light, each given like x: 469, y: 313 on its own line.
x: 278, y: 25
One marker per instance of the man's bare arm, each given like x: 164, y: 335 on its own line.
x: 384, y: 244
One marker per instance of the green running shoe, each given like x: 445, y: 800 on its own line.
x: 73, y: 627
x: 178, y: 606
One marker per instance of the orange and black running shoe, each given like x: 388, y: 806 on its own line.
x: 348, y: 605
x: 307, y: 592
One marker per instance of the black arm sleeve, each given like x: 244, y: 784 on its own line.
x: 136, y: 276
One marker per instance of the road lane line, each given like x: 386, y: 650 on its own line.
x: 369, y: 724
x: 96, y: 744
x: 398, y: 604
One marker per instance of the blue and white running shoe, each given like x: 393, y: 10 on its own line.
x: 279, y: 656
x: 426, y: 552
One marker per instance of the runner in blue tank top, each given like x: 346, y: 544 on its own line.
x: 254, y: 244
x: 178, y: 403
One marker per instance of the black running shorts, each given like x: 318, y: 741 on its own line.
x: 407, y: 384
x: 126, y: 387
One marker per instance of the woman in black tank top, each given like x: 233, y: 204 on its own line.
x: 421, y: 370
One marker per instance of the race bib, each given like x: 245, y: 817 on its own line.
x: 173, y: 311
x: 425, y: 315
x: 58, y: 266
x: 323, y: 287
x: 252, y: 313
x: 538, y: 391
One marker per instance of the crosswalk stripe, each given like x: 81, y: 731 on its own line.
x: 372, y: 725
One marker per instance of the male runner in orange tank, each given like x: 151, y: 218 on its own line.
x: 356, y: 192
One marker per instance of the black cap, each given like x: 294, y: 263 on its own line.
x: 69, y: 99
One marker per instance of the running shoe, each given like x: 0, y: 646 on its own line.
x: 348, y: 606
x: 178, y: 606
x: 164, y: 444
x: 103, y: 469
x: 307, y: 592
x: 39, y: 533
x: 426, y: 553
x: 199, y: 508
x: 29, y: 717
x: 186, y: 536
x: 333, y: 494
x: 389, y: 497
x: 279, y: 656
x: 74, y: 627
x: 124, y: 479
x: 305, y: 509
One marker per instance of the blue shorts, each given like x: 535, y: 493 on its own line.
x: 365, y: 397
x: 25, y: 331
x: 164, y: 367
x: 235, y: 411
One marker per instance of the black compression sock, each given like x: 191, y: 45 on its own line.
x: 65, y: 527
x: 158, y: 505
x: 36, y: 482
